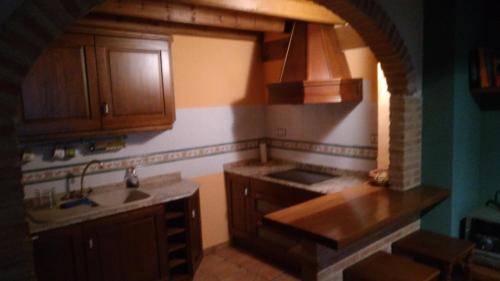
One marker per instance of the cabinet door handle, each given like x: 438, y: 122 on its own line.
x: 91, y: 243
x: 246, y: 191
x: 193, y: 214
x: 35, y: 237
x: 105, y: 108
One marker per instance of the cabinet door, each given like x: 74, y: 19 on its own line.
x: 60, y: 93
x: 135, y: 82
x: 58, y: 255
x: 238, y: 192
x: 195, y: 242
x: 126, y: 247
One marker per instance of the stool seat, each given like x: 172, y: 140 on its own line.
x: 483, y: 273
x: 382, y: 266
x: 434, y: 246
x: 435, y: 249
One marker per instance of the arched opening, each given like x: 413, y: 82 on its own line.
x: 34, y: 24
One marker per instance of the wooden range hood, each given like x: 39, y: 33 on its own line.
x: 315, y: 69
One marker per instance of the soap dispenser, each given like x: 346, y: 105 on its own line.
x: 131, y: 178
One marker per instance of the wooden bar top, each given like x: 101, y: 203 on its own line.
x: 338, y: 220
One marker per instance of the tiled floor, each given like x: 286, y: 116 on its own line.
x: 231, y: 264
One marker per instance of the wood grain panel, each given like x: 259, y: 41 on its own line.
x: 60, y: 93
x: 135, y: 82
x: 340, y: 219
x: 290, y: 9
x: 132, y: 73
x: 58, y: 255
x: 189, y: 14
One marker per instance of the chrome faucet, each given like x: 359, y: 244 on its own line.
x: 101, y: 165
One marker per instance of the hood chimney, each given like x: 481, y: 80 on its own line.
x: 315, y: 69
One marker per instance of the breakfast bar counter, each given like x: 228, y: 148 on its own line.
x: 339, y: 219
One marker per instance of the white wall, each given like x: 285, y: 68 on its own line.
x: 194, y: 127
x: 383, y: 121
x: 337, y: 124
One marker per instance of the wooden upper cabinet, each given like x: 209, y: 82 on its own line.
x: 89, y: 85
x: 135, y: 82
x: 60, y: 93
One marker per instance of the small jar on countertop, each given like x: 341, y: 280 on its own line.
x: 131, y: 178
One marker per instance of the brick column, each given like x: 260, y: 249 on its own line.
x: 405, y: 141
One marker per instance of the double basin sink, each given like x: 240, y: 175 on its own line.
x: 110, y: 198
x: 118, y: 197
x: 94, y: 204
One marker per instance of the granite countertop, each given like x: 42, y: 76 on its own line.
x: 161, y: 189
x: 254, y: 169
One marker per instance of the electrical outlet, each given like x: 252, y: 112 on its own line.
x: 280, y: 132
x: 374, y: 139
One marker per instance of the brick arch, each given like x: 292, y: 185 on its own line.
x: 35, y: 23
x: 382, y: 36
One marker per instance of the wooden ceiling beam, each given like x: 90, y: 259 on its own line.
x: 189, y: 14
x: 304, y: 10
x: 91, y: 23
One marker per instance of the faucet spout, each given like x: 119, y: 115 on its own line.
x: 101, y: 165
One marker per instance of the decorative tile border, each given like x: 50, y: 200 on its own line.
x: 363, y: 152
x: 60, y: 172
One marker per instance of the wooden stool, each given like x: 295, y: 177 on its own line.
x: 435, y: 249
x: 383, y: 267
x: 483, y: 273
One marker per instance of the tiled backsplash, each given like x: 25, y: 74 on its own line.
x: 60, y: 172
x: 33, y: 176
x: 364, y: 152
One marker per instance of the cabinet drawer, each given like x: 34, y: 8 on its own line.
x: 280, y: 195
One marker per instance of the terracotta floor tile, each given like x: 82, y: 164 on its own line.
x: 247, y: 276
x: 203, y: 276
x: 263, y: 269
x: 235, y: 256
x: 231, y: 264
x: 286, y: 277
x: 226, y: 269
x: 209, y: 262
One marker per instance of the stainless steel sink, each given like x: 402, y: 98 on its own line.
x: 301, y: 176
x: 118, y: 197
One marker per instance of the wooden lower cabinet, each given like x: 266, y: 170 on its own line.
x: 58, y: 255
x: 249, y: 200
x: 195, y: 242
x: 161, y: 242
x: 127, y: 247
x: 184, y: 244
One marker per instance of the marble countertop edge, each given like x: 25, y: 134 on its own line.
x: 162, y: 189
